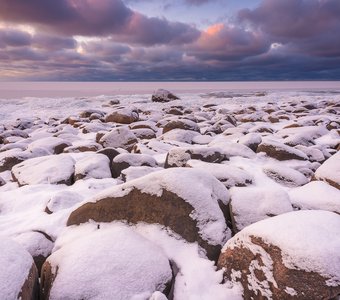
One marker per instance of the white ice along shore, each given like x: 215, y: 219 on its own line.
x: 225, y: 164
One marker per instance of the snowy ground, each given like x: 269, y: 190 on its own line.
x: 255, y: 154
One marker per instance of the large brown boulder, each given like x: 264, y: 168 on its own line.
x: 187, y: 201
x: 18, y: 273
x: 181, y: 124
x: 112, y: 262
x: 292, y: 256
x: 120, y: 137
x: 123, y: 116
x: 162, y: 95
x: 280, y: 151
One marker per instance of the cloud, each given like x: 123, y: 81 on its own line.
x: 14, y: 38
x: 96, y: 18
x: 311, y: 26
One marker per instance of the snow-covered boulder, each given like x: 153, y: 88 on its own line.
x: 189, y: 202
x: 162, y: 95
x: 181, y: 124
x: 316, y: 195
x: 62, y: 200
x: 53, y: 145
x: 292, y: 256
x: 136, y: 172
x: 232, y: 149
x: 92, y: 166
x: 125, y: 160
x: 123, y: 116
x: 330, y: 171
x: 180, y: 135
x: 2, y: 181
x: 18, y: 273
x: 285, y: 175
x: 53, y: 169
x: 108, y: 263
x: 252, y: 204
x: 179, y: 156
x: 12, y: 157
x: 280, y: 151
x: 38, y: 244
x: 251, y: 140
x: 120, y: 137
x: 227, y: 174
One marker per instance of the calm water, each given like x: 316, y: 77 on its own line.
x: 83, y: 89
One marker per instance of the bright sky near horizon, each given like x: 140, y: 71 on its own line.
x: 143, y: 40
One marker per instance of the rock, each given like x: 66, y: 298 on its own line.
x: 18, y: 273
x: 229, y: 175
x: 125, y: 160
x: 180, y: 135
x: 87, y: 113
x: 12, y: 157
x: 165, y: 198
x: 285, y: 175
x: 280, y: 151
x: 179, y: 156
x: 62, y: 200
x: 83, y: 147
x: 109, y: 263
x: 38, y: 244
x: 53, y: 145
x: 2, y: 181
x: 120, y: 137
x: 162, y: 95
x: 252, y: 204
x: 132, y: 173
x: 181, y: 124
x: 110, y: 152
x: 144, y: 133
x: 232, y: 149
x: 251, y: 140
x: 317, y: 195
x: 93, y: 165
x: 292, y: 256
x: 329, y: 171
x: 123, y: 116
x: 51, y: 169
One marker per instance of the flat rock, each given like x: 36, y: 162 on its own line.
x: 52, y: 169
x: 292, y: 256
x: 109, y: 263
x: 165, y: 198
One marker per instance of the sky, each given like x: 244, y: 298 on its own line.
x: 170, y: 40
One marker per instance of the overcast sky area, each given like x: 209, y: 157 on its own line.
x: 152, y: 40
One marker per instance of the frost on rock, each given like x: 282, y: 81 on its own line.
x: 18, y: 274
x: 252, y: 204
x: 94, y: 165
x: 316, y: 195
x: 53, y: 169
x: 105, y: 263
x: 188, y: 201
x: 296, y: 251
x: 330, y: 171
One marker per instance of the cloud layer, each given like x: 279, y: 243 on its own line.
x: 107, y: 40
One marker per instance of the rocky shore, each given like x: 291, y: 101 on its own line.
x: 164, y: 198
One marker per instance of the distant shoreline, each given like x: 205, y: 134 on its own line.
x: 10, y: 90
